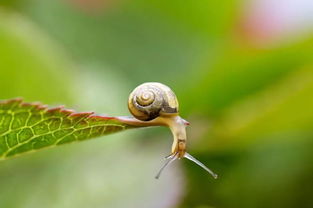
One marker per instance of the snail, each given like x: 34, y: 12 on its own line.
x: 155, y: 104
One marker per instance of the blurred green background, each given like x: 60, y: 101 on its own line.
x: 243, y: 73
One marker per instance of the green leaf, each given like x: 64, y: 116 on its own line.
x: 26, y: 127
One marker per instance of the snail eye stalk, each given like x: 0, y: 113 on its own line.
x: 172, y: 158
x: 169, y: 160
x: 189, y: 157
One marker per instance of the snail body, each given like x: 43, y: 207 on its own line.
x: 155, y: 104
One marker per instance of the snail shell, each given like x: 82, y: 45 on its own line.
x: 152, y: 99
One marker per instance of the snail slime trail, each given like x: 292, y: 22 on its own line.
x: 155, y: 104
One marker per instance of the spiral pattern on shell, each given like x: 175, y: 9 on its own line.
x: 145, y: 98
x: 150, y: 100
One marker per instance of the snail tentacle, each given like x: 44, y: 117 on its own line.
x: 190, y: 157
x: 169, y: 160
